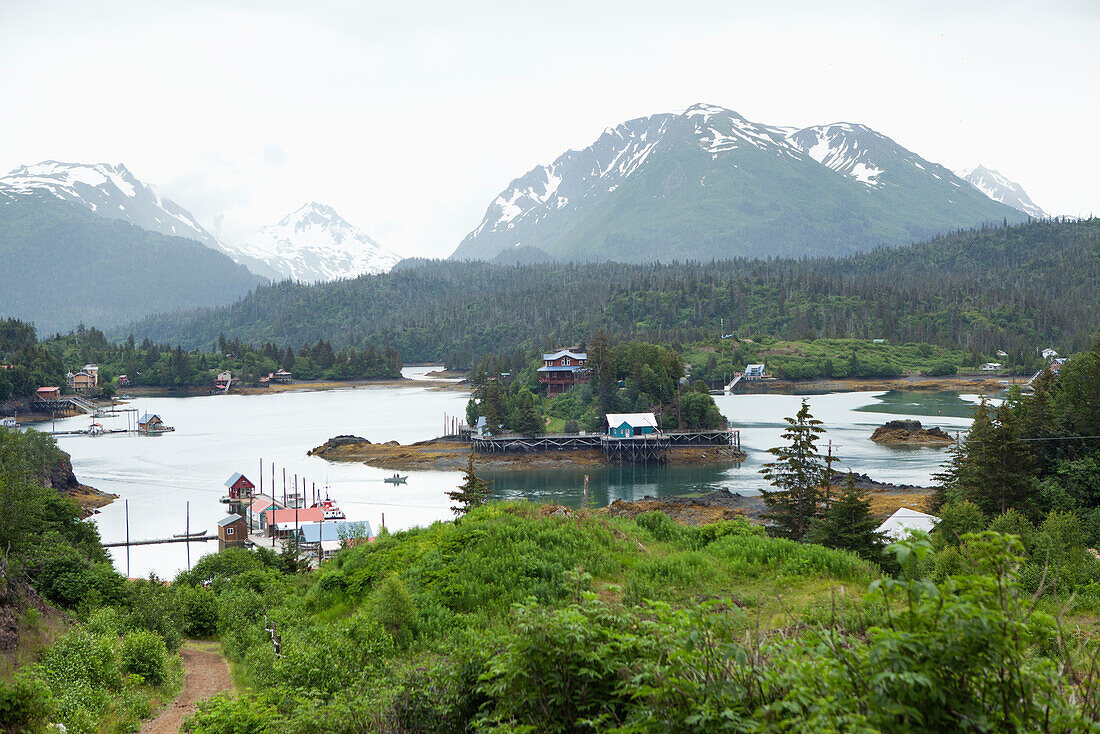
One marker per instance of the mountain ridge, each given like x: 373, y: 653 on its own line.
x: 314, y: 244
x: 710, y: 183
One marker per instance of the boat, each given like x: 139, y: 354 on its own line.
x: 396, y: 479
x: 332, y: 512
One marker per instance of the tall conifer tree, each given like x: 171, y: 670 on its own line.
x: 799, y: 474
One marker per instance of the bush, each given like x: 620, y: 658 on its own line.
x: 395, y: 610
x: 200, y: 612
x: 24, y: 704
x: 143, y: 653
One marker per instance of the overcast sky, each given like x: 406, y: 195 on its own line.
x: 409, y: 117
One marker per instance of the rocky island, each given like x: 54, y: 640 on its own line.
x: 910, y: 432
x: 445, y: 454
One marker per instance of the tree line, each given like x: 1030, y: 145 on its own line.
x: 998, y: 288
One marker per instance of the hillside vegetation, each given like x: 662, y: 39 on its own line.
x: 63, y: 265
x: 1010, y: 288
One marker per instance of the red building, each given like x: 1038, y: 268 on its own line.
x: 562, y: 370
x: 239, y: 486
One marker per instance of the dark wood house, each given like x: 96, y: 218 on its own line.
x: 232, y: 532
x: 562, y: 370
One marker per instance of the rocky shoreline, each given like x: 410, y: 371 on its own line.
x: 722, y: 504
x: 451, y: 455
x: 61, y: 478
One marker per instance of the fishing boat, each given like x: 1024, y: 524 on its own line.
x: 396, y: 479
x: 332, y: 512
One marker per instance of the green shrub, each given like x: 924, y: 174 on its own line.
x: 659, y: 525
x: 82, y: 656
x: 143, y: 653
x: 200, y: 612
x: 395, y: 609
x: 24, y: 704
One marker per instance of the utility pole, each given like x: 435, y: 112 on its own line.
x: 127, y: 507
x: 187, y: 534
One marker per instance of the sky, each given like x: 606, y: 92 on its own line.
x: 409, y: 117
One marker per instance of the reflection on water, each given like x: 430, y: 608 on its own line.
x: 605, y: 484
x: 933, y: 404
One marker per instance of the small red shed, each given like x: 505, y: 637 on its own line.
x: 239, y: 486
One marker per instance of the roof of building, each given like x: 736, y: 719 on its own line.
x: 261, y: 504
x: 562, y: 368
x: 565, y: 353
x: 330, y: 546
x: 48, y: 389
x: 146, y: 417
x: 320, y: 532
x: 229, y: 520
x: 236, y: 477
x: 634, y: 420
x: 757, y: 367
x: 899, y: 524
x: 303, y: 515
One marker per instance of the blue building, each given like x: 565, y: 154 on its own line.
x: 629, y: 425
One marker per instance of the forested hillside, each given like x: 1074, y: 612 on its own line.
x: 63, y: 265
x: 1010, y: 288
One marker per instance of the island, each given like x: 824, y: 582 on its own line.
x: 909, y: 432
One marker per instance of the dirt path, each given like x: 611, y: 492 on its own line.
x: 205, y: 674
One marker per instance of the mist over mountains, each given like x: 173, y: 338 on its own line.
x: 701, y: 185
x: 709, y: 183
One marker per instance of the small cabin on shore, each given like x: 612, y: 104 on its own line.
x: 754, y: 372
x: 232, y: 532
x: 991, y: 366
x: 282, y: 377
x: 630, y: 425
x: 48, y: 393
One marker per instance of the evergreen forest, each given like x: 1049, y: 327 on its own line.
x: 1012, y: 288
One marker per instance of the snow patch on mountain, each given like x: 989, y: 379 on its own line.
x: 845, y: 148
x: 1000, y: 188
x: 109, y: 190
x: 313, y: 244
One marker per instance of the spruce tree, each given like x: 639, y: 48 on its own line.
x: 473, y: 492
x: 849, y: 525
x: 799, y: 474
x: 528, y: 420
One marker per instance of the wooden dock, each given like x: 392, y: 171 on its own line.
x: 159, y: 541
x: 648, y: 448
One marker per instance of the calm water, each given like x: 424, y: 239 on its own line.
x: 218, y: 435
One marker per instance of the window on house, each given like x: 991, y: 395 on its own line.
x: 229, y: 531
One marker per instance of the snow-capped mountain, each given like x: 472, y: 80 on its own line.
x: 313, y: 244
x: 999, y: 188
x: 710, y: 183
x: 110, y: 191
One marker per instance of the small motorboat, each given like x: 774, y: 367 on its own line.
x: 396, y: 479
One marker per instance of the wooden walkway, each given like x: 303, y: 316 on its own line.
x: 650, y: 448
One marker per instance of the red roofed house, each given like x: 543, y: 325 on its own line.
x: 48, y: 393
x: 284, y: 523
